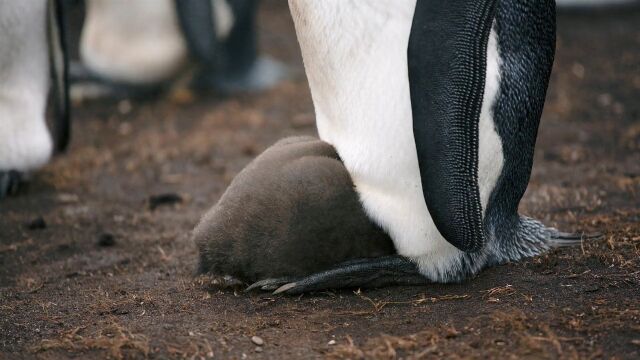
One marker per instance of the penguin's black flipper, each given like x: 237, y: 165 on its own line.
x: 369, y: 273
x: 447, y: 67
x: 59, y: 60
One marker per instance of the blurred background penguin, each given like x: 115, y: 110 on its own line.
x: 132, y: 48
x: 32, y: 61
x: 118, y: 49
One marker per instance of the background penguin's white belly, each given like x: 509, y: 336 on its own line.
x: 25, y: 142
x: 355, y: 56
x: 139, y: 41
x: 133, y: 41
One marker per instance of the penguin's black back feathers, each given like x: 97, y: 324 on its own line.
x: 526, y: 41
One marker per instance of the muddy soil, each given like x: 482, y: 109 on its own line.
x: 105, y: 275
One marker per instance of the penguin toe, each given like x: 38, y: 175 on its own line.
x: 269, y: 284
x: 563, y: 239
x: 9, y: 182
x: 290, y: 289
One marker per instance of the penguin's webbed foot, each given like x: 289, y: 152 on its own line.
x: 9, y: 182
x: 370, y: 273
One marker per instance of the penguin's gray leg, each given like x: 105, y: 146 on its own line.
x: 527, y: 238
x: 368, y: 273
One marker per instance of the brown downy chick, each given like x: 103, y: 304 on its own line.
x: 291, y: 212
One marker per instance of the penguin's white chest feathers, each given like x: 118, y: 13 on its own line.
x: 355, y: 56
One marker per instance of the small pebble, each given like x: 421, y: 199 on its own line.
x: 125, y: 107
x: 106, y: 240
x: 578, y: 70
x: 68, y: 198
x: 331, y: 342
x: 37, y: 224
x: 257, y: 340
x: 164, y: 199
x: 258, y: 349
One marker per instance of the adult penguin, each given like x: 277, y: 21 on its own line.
x: 136, y: 47
x: 438, y: 139
x: 33, y: 59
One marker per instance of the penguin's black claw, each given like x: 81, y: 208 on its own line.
x: 562, y: 239
x: 269, y: 284
x: 9, y: 182
x: 374, y: 272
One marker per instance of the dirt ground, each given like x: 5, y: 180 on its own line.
x: 105, y: 275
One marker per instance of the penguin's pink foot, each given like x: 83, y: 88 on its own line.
x: 366, y: 273
x: 10, y: 182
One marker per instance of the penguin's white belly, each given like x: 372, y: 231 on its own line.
x: 25, y: 142
x: 355, y: 56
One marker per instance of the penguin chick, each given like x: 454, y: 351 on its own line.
x: 291, y: 212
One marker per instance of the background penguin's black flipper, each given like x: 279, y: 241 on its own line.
x: 232, y: 63
x: 197, y: 23
x: 447, y: 68
x: 59, y: 60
